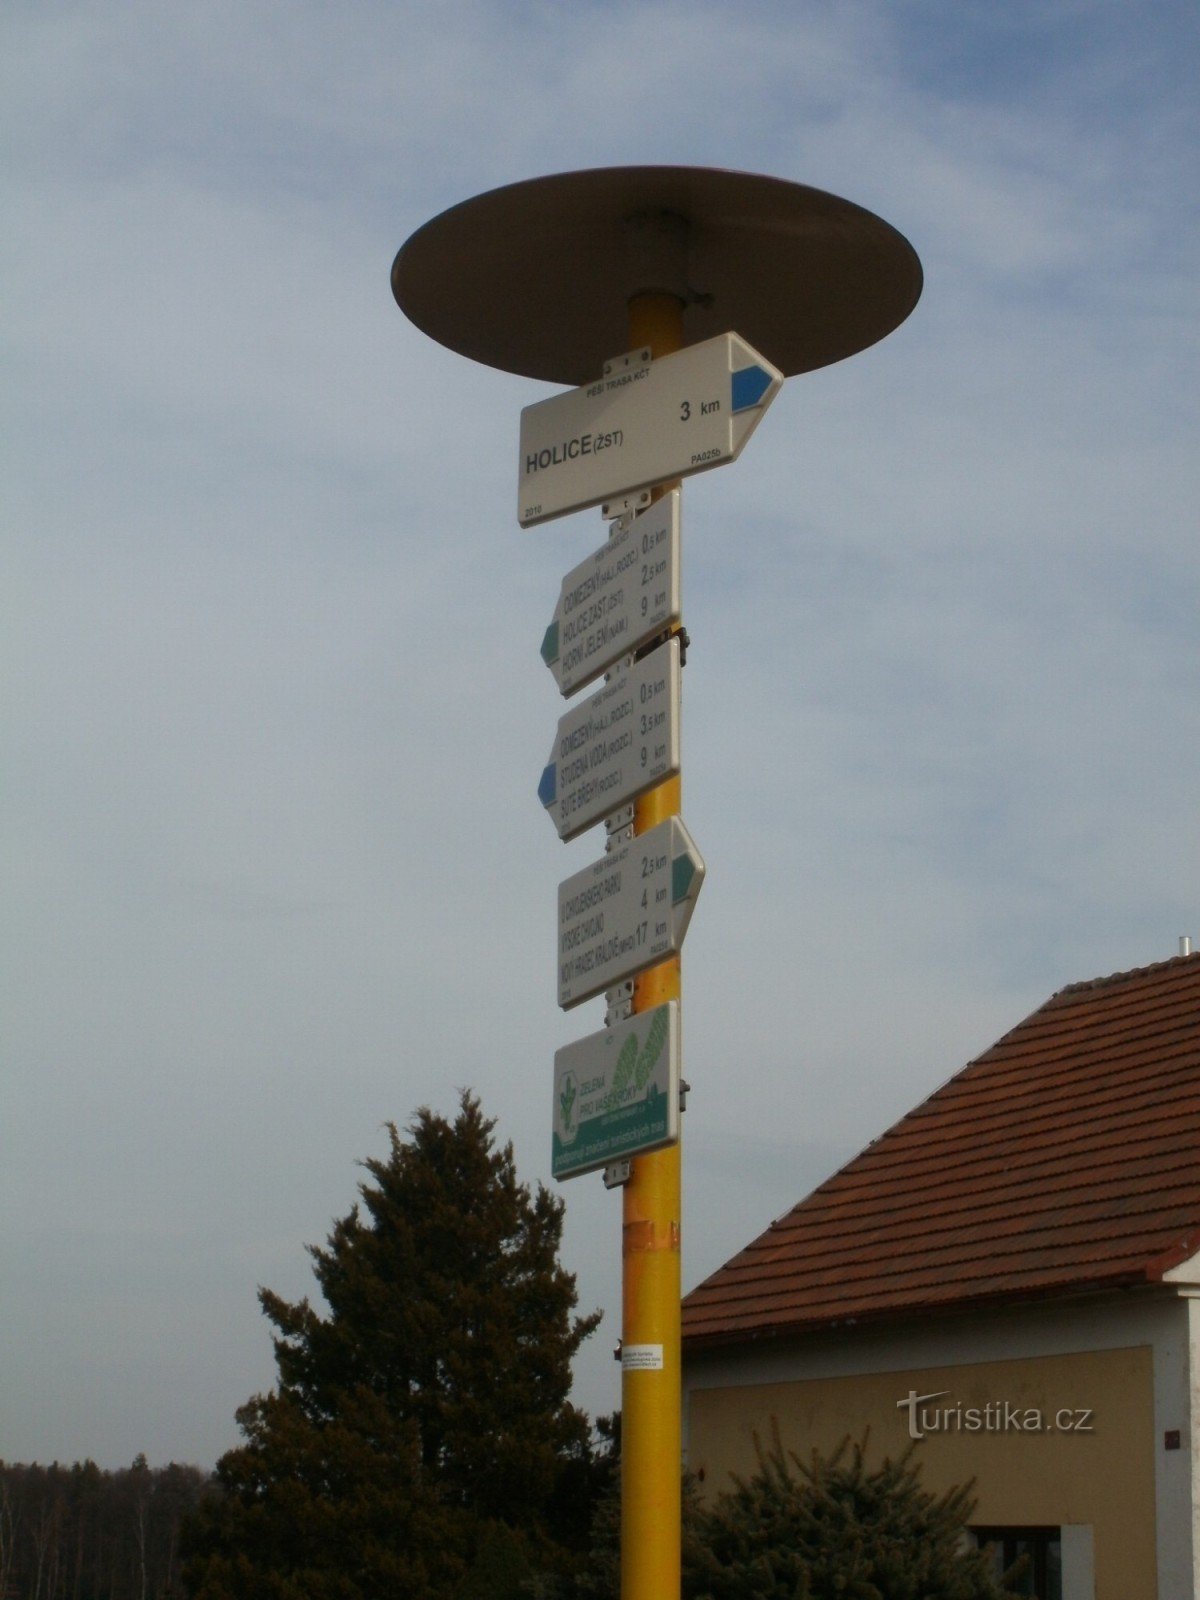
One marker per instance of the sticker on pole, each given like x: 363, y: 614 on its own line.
x: 642, y: 423
x: 616, y: 1093
x: 641, y: 1358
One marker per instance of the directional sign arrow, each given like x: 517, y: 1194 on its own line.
x: 622, y: 595
x: 616, y: 744
x: 643, y: 422
x: 627, y: 911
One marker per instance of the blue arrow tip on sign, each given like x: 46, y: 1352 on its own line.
x: 548, y: 788
x: 748, y: 387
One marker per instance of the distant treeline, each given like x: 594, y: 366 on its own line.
x: 83, y: 1533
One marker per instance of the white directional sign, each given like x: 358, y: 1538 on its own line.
x: 627, y: 911
x: 624, y: 594
x: 616, y: 1093
x: 640, y: 424
x: 616, y: 744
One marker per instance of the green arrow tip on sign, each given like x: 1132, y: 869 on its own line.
x: 683, y: 870
x: 550, y: 644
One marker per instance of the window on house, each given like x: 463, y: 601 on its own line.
x: 1040, y: 1576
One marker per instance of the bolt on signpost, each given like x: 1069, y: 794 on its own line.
x: 714, y: 285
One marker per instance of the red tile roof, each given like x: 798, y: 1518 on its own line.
x: 1064, y: 1159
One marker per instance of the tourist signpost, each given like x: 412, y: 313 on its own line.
x: 547, y: 278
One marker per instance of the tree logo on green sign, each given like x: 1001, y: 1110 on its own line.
x: 567, y: 1096
x: 634, y: 1066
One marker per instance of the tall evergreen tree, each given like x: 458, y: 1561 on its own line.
x: 420, y: 1440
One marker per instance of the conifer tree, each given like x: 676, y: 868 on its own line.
x: 832, y: 1529
x: 419, y: 1441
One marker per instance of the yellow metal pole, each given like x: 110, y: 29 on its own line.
x: 651, y: 1394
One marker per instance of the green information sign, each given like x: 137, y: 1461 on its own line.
x: 616, y: 1093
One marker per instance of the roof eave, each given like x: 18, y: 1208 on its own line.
x: 1182, y: 1250
x: 773, y: 1333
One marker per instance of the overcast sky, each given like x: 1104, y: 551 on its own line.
x: 276, y: 872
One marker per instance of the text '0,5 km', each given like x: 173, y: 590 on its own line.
x: 642, y: 423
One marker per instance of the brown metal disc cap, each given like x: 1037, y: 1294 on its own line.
x: 536, y: 277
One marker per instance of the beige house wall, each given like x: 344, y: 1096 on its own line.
x: 1098, y: 1472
